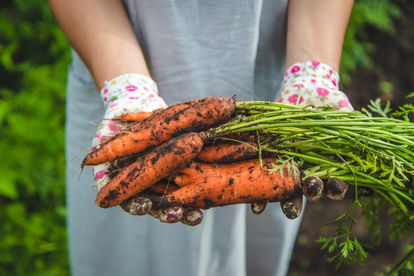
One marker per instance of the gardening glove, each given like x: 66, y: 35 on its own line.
x: 316, y: 84
x: 130, y: 93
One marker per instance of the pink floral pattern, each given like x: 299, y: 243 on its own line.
x: 100, y: 174
x: 322, y: 91
x: 295, y: 99
x: 343, y: 103
x: 315, y: 63
x: 313, y: 83
x: 295, y: 69
x: 131, y: 88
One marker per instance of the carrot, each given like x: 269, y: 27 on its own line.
x: 227, y: 152
x: 168, y: 111
x: 162, y: 188
x: 133, y: 117
x: 151, y: 168
x: 209, y: 185
x: 162, y: 126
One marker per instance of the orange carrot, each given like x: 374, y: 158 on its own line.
x: 166, y: 112
x: 133, y: 117
x: 228, y: 152
x: 209, y: 185
x: 162, y: 188
x: 162, y: 126
x: 151, y: 168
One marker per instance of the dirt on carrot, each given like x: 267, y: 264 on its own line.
x: 208, y: 185
x: 151, y: 168
x: 162, y: 126
x: 228, y: 152
x: 133, y: 117
x: 163, y: 188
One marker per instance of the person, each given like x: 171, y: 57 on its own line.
x: 143, y: 55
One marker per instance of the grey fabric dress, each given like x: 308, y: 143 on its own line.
x: 194, y: 49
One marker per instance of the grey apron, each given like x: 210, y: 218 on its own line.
x: 194, y: 49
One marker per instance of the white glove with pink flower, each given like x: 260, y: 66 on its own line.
x: 131, y: 93
x: 124, y: 94
x: 315, y: 84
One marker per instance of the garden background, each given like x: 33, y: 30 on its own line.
x: 378, y: 61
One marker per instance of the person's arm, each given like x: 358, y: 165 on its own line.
x: 316, y: 29
x: 102, y: 35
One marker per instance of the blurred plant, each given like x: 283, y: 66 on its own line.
x: 405, y: 266
x: 33, y: 61
x: 357, y: 48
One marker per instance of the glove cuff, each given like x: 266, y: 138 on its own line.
x: 314, y: 72
x: 130, y: 93
x: 126, y: 85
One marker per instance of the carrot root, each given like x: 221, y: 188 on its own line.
x: 151, y: 168
x: 162, y: 188
x: 133, y: 117
x: 197, y: 115
x: 228, y: 152
x: 212, y: 185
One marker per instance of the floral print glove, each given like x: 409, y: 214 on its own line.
x: 309, y: 83
x: 124, y: 94
x: 315, y: 84
x: 130, y: 93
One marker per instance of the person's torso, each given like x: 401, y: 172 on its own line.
x: 212, y: 48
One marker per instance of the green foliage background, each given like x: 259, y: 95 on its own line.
x: 33, y: 60
x: 34, y: 56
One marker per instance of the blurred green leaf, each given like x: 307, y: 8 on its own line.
x: 34, y: 56
x: 378, y: 14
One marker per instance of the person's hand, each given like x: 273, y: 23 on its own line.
x: 314, y: 84
x: 131, y: 93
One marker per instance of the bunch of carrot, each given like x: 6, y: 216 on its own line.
x: 215, y: 151
x: 169, y: 156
